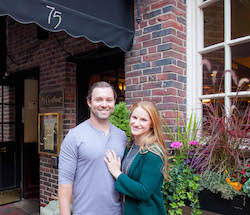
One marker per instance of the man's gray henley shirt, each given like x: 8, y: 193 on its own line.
x: 81, y: 162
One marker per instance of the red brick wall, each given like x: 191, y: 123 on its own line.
x: 156, y: 67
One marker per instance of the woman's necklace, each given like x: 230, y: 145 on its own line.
x: 128, y: 165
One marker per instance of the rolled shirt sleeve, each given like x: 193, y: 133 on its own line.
x: 67, y: 159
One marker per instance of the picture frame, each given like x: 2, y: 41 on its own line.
x: 49, y: 133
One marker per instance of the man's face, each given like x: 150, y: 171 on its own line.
x: 102, y: 103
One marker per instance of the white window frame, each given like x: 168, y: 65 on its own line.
x: 195, y: 50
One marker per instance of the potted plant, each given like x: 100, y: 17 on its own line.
x: 219, y: 160
x: 182, y: 188
x: 222, y: 162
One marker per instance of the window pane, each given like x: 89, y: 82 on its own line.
x: 241, y: 66
x: 241, y: 105
x: 9, y: 132
x: 240, y: 18
x: 9, y: 95
x: 240, y: 108
x: 214, y: 24
x: 213, y: 72
x: 1, y: 126
x: 9, y: 114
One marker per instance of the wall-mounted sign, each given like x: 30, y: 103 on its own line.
x: 52, y: 99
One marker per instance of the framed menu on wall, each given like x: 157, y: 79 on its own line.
x: 49, y: 133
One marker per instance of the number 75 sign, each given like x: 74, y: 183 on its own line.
x: 54, y: 14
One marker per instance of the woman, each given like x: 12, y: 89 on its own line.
x: 144, y: 165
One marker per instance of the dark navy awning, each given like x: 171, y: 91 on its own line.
x: 107, y: 21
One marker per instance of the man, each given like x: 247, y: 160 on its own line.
x: 82, y: 170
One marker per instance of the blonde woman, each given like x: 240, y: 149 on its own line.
x: 139, y: 179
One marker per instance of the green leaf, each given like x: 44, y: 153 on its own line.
x: 171, y: 212
x: 173, y: 205
x: 181, y: 204
x: 179, y: 211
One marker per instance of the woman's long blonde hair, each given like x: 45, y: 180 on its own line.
x: 153, y: 140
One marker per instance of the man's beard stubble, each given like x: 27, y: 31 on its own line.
x: 99, y: 116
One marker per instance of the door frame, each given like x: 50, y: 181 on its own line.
x: 19, y: 78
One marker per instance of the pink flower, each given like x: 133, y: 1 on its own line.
x: 193, y: 143
x: 176, y: 145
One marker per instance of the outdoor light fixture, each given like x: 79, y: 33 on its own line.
x: 138, y: 19
x: 121, y: 86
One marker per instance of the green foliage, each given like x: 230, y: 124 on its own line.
x: 120, y: 118
x: 217, y: 183
x: 246, y: 187
x: 181, y: 188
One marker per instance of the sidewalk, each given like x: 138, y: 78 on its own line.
x: 31, y: 207
x: 187, y: 211
x: 23, y: 207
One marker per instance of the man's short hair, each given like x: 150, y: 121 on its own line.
x: 100, y: 84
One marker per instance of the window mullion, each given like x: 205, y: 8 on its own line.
x: 228, y: 56
x: 200, y: 45
x: 239, y: 41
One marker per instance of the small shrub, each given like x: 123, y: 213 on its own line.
x: 120, y: 118
x: 225, y: 139
x: 217, y: 183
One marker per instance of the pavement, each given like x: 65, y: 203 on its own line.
x: 188, y: 210
x: 23, y: 207
x: 31, y: 207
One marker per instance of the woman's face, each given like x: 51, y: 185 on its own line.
x: 140, y: 122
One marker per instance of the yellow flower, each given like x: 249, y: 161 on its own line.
x: 236, y: 185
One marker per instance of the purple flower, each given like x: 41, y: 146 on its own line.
x: 193, y: 143
x: 176, y: 145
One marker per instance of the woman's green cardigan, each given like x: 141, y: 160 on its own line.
x: 142, y: 185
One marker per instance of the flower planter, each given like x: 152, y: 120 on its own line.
x: 213, y: 202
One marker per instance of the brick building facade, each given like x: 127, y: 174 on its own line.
x: 155, y: 68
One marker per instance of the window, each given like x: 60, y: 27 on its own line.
x: 218, y: 44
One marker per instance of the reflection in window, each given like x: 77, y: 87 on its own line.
x: 214, y: 24
x: 241, y: 66
x: 213, y: 73
x: 240, y: 109
x: 7, y: 114
x: 240, y: 18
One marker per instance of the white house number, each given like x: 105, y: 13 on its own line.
x: 54, y: 14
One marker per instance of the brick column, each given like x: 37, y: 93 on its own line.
x: 155, y: 69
